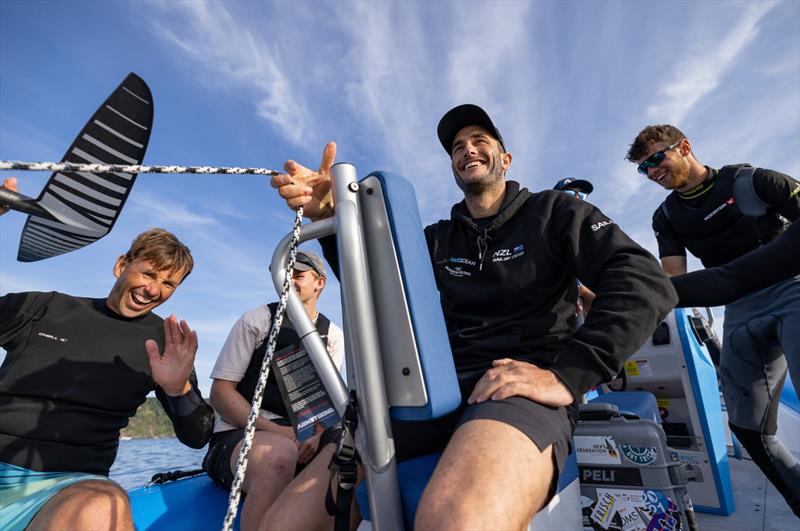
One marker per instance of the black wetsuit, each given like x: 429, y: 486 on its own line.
x: 709, y: 222
x: 73, y: 375
x: 772, y: 263
x: 719, y: 221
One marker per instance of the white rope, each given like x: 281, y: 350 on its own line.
x: 277, y: 320
x: 123, y: 168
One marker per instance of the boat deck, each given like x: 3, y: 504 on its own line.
x: 758, y: 504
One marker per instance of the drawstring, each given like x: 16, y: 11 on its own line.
x: 483, y: 246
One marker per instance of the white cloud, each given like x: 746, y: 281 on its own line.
x: 165, y: 212
x: 704, y: 66
x: 240, y: 58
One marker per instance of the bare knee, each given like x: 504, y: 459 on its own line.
x: 87, y: 505
x: 437, y: 511
x: 272, y: 461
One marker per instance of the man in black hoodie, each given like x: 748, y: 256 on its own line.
x: 506, y: 264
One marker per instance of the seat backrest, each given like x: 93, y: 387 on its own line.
x: 418, y: 367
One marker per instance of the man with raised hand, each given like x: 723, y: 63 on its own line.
x: 76, y: 369
x: 719, y: 216
x: 506, y: 264
x: 276, y: 456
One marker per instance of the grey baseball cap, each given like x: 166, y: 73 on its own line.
x: 309, y: 261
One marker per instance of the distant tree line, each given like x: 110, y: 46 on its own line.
x: 150, y: 421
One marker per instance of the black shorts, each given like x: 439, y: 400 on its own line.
x: 217, y: 462
x: 544, y: 425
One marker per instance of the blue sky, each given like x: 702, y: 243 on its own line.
x: 251, y: 84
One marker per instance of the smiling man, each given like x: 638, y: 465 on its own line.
x: 276, y: 455
x: 76, y: 369
x: 720, y: 215
x: 506, y: 264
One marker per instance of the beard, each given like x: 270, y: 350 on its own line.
x: 680, y: 177
x: 488, y: 180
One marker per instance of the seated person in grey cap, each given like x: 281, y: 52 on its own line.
x: 275, y: 455
x: 510, y: 318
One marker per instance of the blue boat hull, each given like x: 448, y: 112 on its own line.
x: 192, y: 504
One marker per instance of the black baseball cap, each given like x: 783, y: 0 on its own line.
x: 460, y: 117
x: 570, y: 182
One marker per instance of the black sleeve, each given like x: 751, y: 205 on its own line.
x: 633, y: 295
x: 669, y: 243
x: 18, y: 310
x: 758, y: 269
x: 192, y: 418
x: 330, y: 252
x: 779, y: 191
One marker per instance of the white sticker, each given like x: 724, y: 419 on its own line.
x: 644, y: 368
x: 595, y: 450
x: 604, y: 510
x: 632, y: 519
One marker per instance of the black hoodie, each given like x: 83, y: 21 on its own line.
x: 508, y: 290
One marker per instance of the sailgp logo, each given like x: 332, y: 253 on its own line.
x: 501, y: 255
x: 717, y: 210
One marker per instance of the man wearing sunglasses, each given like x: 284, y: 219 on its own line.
x: 510, y: 318
x: 720, y: 215
x: 575, y: 187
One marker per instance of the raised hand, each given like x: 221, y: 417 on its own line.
x: 171, y: 369
x: 509, y: 378
x: 301, y: 186
x: 9, y: 184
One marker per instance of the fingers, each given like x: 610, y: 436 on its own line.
x: 153, y: 351
x: 305, y: 452
x: 503, y: 372
x: 328, y: 158
x: 485, y: 387
x: 11, y: 183
x: 189, y: 336
x: 507, y: 391
x: 172, y: 333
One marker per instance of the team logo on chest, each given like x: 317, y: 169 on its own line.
x: 456, y: 266
x: 719, y: 209
x: 502, y: 255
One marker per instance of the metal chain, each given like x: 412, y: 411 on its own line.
x: 122, y: 168
x: 277, y: 320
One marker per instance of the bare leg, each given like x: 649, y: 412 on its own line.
x: 93, y: 505
x: 491, y: 476
x: 301, y: 505
x: 270, y: 467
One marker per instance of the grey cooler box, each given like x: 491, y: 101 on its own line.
x: 630, y: 479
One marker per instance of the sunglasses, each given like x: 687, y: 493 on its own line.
x: 581, y: 195
x: 656, y: 158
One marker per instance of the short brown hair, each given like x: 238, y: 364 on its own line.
x: 653, y: 134
x: 163, y: 249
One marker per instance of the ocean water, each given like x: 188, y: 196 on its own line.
x: 138, y: 459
